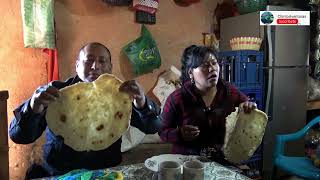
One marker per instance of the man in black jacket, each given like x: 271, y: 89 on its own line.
x: 29, y: 118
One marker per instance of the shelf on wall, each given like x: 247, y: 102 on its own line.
x: 311, y: 105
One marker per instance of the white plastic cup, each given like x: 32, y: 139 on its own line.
x: 169, y: 170
x: 193, y: 170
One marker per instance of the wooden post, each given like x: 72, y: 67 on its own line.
x: 4, y: 148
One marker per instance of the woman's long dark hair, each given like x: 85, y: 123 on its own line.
x: 192, y: 57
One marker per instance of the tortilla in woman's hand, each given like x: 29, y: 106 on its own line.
x: 244, y: 133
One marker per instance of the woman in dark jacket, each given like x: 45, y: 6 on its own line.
x: 194, y: 115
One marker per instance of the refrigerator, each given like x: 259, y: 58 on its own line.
x: 286, y: 68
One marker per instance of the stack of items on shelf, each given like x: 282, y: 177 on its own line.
x: 245, y: 43
x: 244, y: 69
x: 145, y: 11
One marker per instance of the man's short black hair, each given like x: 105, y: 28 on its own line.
x: 94, y: 44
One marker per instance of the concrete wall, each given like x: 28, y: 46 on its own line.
x: 22, y: 70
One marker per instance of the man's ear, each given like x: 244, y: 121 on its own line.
x: 77, y: 63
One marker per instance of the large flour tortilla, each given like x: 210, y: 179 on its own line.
x: 244, y: 133
x: 90, y: 116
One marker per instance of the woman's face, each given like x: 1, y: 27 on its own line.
x: 207, y: 74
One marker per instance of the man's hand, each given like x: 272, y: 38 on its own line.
x: 189, y: 132
x: 135, y: 91
x: 42, y: 97
x: 247, y: 106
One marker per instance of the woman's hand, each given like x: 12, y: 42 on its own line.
x: 247, y: 106
x: 135, y: 91
x: 189, y: 132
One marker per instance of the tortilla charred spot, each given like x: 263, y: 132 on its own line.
x: 78, y: 97
x: 112, y: 135
x: 100, y: 127
x: 63, y: 118
x: 125, y: 102
x: 97, y: 142
x: 118, y: 115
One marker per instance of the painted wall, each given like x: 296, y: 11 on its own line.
x: 176, y: 28
x: 22, y: 70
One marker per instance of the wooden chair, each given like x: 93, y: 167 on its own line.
x: 4, y: 148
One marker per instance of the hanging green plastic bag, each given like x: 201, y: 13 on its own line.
x: 38, y: 23
x: 143, y: 53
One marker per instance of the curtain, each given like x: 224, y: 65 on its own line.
x: 52, y: 65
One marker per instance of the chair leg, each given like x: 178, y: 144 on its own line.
x: 274, y: 173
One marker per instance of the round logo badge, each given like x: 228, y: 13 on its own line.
x: 267, y: 17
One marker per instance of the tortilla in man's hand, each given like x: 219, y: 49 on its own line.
x: 244, y: 133
x: 90, y: 116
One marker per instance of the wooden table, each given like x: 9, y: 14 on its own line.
x: 4, y: 157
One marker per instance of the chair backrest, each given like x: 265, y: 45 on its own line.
x: 4, y: 157
x: 299, y: 166
x: 304, y: 130
x: 281, y: 139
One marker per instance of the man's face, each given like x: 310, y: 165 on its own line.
x: 93, y: 61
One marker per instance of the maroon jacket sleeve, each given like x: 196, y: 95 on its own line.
x: 169, y: 131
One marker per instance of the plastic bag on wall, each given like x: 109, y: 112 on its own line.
x: 143, y: 53
x: 168, y: 81
x: 38, y: 23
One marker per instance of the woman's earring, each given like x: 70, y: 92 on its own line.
x: 192, y: 80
